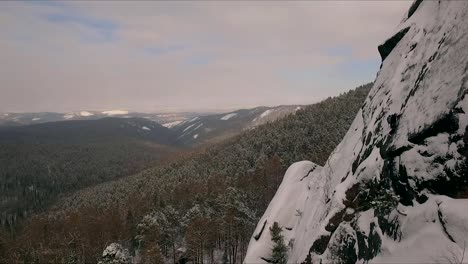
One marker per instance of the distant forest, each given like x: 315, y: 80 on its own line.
x: 203, y: 206
x: 40, y: 162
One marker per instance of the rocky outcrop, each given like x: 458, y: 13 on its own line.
x: 393, y: 190
x: 285, y: 208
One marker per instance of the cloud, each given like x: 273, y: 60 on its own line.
x: 150, y: 56
x: 156, y: 50
x: 103, y: 29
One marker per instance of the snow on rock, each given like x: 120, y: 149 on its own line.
x: 36, y: 119
x: 195, y: 136
x: 146, y: 128
x: 390, y: 192
x: 433, y: 232
x: 454, y: 215
x: 86, y: 113
x: 286, y: 208
x: 228, y: 116
x: 172, y: 124
x: 115, y: 112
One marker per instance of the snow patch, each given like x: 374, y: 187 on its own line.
x: 36, y: 119
x: 194, y: 119
x: 86, y: 113
x: 172, y: 124
x: 146, y: 128
x: 195, y: 136
x: 228, y: 116
x: 266, y: 113
x: 115, y: 112
x: 192, y: 125
x: 187, y: 128
x: 201, y: 124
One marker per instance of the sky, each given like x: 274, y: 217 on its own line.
x: 187, y: 56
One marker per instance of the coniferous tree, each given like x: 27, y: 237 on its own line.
x: 279, y: 251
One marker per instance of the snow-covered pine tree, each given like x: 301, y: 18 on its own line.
x: 280, y: 251
x: 115, y: 254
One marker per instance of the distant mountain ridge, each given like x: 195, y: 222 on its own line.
x: 16, y: 119
x: 189, y: 129
x: 89, y: 130
x: 58, y: 157
x: 216, y: 127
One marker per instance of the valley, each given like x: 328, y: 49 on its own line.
x: 242, y: 169
x: 283, y: 132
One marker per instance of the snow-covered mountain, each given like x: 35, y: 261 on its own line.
x: 395, y: 189
x: 189, y: 128
x: 15, y: 119
x: 85, y: 131
x: 216, y: 127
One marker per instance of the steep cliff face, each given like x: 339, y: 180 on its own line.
x: 393, y: 190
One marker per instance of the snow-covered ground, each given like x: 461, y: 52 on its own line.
x: 172, y: 124
x: 267, y: 112
x: 194, y: 119
x: 68, y: 116
x: 408, y: 140
x: 115, y: 112
x: 189, y: 127
x: 228, y: 116
x: 86, y: 113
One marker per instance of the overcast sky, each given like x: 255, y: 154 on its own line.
x: 158, y: 56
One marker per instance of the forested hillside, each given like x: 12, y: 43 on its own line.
x: 208, y: 129
x: 203, y: 206
x: 39, y: 162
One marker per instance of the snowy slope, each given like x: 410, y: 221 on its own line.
x: 392, y: 190
x: 115, y: 112
x: 285, y: 208
x: 228, y: 116
x: 172, y: 124
x: 217, y: 127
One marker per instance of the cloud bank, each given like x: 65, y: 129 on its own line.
x: 194, y: 55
